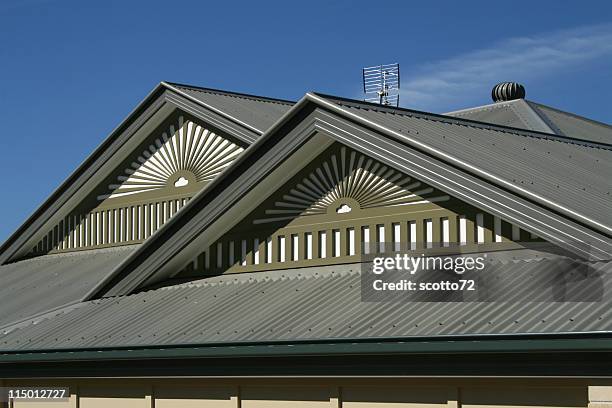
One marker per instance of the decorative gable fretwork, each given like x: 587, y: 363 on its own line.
x: 345, y: 177
x: 187, y: 154
x: 345, y: 204
x: 176, y: 162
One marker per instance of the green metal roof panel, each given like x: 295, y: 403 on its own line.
x: 42, y: 284
x: 319, y: 303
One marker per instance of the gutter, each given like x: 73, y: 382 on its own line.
x: 359, y: 347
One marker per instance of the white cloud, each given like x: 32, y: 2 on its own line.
x: 443, y: 84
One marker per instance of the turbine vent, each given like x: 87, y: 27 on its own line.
x: 507, y: 91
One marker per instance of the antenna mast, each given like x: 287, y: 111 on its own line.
x: 381, y: 84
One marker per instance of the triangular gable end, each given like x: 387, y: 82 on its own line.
x: 146, y: 189
x: 344, y: 204
x: 299, y: 140
x: 163, y: 153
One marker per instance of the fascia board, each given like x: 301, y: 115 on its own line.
x: 361, y: 347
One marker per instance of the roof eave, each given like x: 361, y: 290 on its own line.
x: 587, y: 342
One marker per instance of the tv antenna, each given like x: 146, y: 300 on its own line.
x: 381, y: 84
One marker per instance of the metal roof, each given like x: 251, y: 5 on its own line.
x: 524, y: 114
x: 569, y: 124
x: 257, y: 111
x: 297, y: 305
x: 531, y: 179
x: 571, y: 173
x: 516, y: 113
x: 41, y: 284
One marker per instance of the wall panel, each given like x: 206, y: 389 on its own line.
x: 277, y: 397
x: 114, y: 396
x: 524, y: 397
x: 195, y: 397
x: 394, y: 397
x: 322, y: 392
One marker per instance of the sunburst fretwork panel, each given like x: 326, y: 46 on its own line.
x: 344, y: 181
x: 343, y: 205
x: 184, y: 154
x: 176, y: 162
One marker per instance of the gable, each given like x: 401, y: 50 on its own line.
x: 345, y: 204
x: 60, y: 223
x: 146, y: 189
x: 312, y: 127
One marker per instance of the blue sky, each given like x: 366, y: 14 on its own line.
x: 71, y: 71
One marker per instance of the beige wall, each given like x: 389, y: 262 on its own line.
x: 395, y: 397
x: 336, y: 393
x: 115, y: 396
x: 196, y: 396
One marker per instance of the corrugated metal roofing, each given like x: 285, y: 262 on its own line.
x: 529, y: 115
x: 257, y: 111
x: 568, y: 124
x: 41, y: 284
x: 291, y: 305
x: 516, y: 113
x: 574, y: 175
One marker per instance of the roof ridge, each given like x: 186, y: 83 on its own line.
x: 233, y: 94
x: 516, y: 106
x: 574, y: 115
x: 531, y: 118
x: 465, y: 122
x: 489, y: 106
